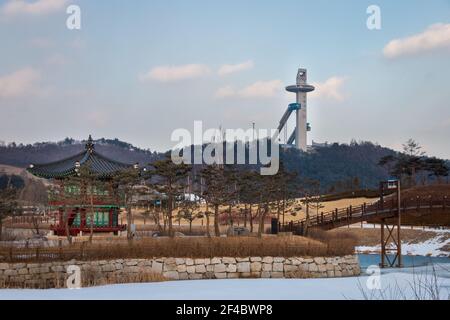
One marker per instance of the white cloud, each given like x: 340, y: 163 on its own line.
x: 260, y: 89
x: 233, y: 68
x: 19, y: 83
x: 331, y: 89
x: 35, y: 8
x: 436, y: 36
x: 176, y: 73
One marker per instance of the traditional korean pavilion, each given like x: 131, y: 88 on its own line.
x: 72, y: 198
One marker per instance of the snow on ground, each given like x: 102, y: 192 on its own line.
x: 392, y: 282
x: 431, y: 247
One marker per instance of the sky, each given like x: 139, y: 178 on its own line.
x: 137, y: 70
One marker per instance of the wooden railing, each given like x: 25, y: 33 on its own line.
x: 354, y: 214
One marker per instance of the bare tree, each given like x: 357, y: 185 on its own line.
x: 8, y: 204
x: 169, y: 181
x: 124, y: 184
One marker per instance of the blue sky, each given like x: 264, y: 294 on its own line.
x: 137, y: 70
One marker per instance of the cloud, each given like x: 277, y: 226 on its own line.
x: 330, y: 89
x: 435, y: 37
x: 233, y: 68
x: 19, y: 83
x: 35, y: 8
x: 259, y: 89
x: 176, y: 73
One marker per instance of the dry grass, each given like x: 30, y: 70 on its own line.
x: 185, y: 247
x: 371, y: 237
x: 338, y: 241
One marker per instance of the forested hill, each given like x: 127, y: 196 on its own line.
x: 340, y: 167
x: 24, y: 155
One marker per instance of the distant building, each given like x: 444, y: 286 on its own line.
x: 74, y: 199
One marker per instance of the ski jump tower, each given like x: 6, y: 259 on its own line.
x: 302, y: 126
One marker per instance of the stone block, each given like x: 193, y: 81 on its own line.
x: 255, y: 266
x: 255, y: 259
x: 4, y: 266
x: 279, y: 259
x: 267, y: 260
x: 22, y: 271
x: 118, y: 266
x: 243, y: 267
x: 170, y: 267
x: 173, y: 275
x: 179, y: 261
x: 232, y: 275
x: 322, y: 268
x: 200, y: 268
x: 199, y: 261
x: 231, y: 268
x: 319, y: 260
x: 12, y: 272
x: 157, y: 267
x: 267, y: 267
x: 189, y: 262
x: 219, y: 268
x: 108, y: 267
x: 216, y: 261
x: 220, y: 275
x: 183, y: 276
x: 247, y: 259
x: 228, y: 260
x: 265, y: 274
x: 195, y: 276
x: 312, y: 267
x: 277, y: 275
x: 190, y: 269
x: 290, y: 268
x: 181, y: 268
x: 277, y: 267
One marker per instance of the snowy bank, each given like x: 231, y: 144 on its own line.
x: 392, y: 282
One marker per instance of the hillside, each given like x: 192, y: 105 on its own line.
x: 23, y: 155
x: 339, y: 167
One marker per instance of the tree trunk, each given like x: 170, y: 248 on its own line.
x: 208, y: 233
x: 305, y: 232
x: 250, y: 217
x: 91, y: 231
x: 169, y: 216
x: 66, y: 225
x: 245, y: 216
x: 262, y: 217
x: 1, y: 227
x: 216, y: 220
x: 129, y: 222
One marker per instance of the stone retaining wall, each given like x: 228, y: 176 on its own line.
x: 186, y: 268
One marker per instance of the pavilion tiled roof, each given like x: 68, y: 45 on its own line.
x: 97, y: 163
